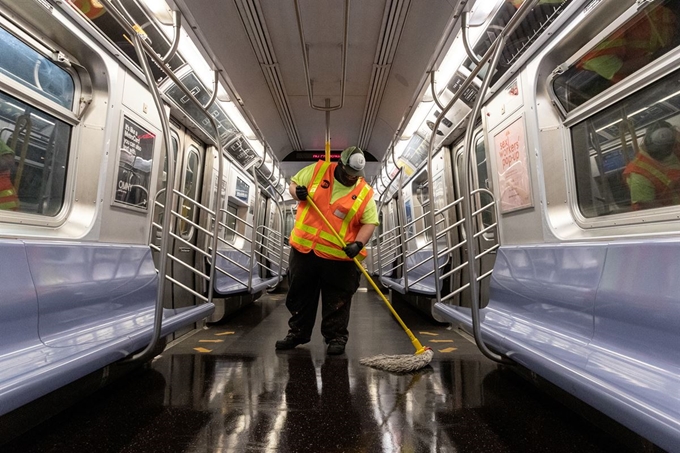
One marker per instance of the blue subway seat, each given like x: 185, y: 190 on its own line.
x: 232, y: 271
x: 599, y: 320
x: 69, y: 309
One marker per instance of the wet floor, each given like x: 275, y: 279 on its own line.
x: 225, y: 389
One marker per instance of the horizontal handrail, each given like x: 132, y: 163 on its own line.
x: 190, y: 222
x: 194, y: 202
x: 186, y: 288
x: 185, y: 242
x: 236, y: 263
x: 187, y: 266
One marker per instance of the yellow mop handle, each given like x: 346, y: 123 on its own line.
x: 419, y: 347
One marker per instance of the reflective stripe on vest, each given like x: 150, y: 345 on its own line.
x: 319, y: 172
x: 311, y: 233
x: 660, y: 177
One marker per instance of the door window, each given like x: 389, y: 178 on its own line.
x: 190, y: 190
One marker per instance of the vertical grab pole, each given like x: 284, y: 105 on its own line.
x: 497, y: 49
x: 467, y: 205
x: 169, y: 196
x: 218, y: 197
x: 328, y: 131
x: 256, y: 215
x: 142, y: 49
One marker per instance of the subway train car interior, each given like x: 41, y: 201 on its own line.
x: 482, y: 195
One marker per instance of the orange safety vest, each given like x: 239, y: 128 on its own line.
x: 311, y: 233
x: 9, y: 200
x: 91, y: 8
x: 660, y: 176
x: 636, y: 43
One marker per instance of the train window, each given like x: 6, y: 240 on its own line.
x: 175, y: 148
x: 421, y: 205
x: 482, y: 180
x: 647, y: 36
x: 439, y: 200
x: 289, y: 222
x: 526, y: 33
x: 229, y: 219
x: 627, y: 157
x: 34, y: 71
x: 33, y: 157
x: 190, y: 189
x: 164, y: 179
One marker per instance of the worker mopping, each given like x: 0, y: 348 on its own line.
x: 400, y: 363
x: 321, y: 257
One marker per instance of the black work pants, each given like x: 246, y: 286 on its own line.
x: 336, y: 281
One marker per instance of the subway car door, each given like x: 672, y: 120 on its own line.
x: 159, y: 211
x: 188, y: 180
x: 479, y: 178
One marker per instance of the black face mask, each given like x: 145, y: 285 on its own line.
x: 342, y: 177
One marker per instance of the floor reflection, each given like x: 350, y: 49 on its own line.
x: 243, y: 396
x: 321, y: 413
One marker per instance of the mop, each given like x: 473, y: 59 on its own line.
x: 402, y: 363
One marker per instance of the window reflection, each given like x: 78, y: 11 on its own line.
x: 627, y: 157
x: 643, y: 39
x: 190, y: 190
x: 37, y: 73
x: 33, y: 158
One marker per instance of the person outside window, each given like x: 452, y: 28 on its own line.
x: 318, y: 263
x: 653, y: 176
x: 9, y: 200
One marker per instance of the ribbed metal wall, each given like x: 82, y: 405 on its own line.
x: 253, y: 21
x: 390, y: 32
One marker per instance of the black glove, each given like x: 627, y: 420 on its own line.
x: 301, y: 193
x: 353, y: 248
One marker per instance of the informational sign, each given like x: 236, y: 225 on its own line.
x: 242, y: 189
x: 184, y: 102
x: 414, y: 154
x: 135, y: 161
x: 512, y: 166
x: 468, y: 96
x: 311, y: 156
x: 242, y: 152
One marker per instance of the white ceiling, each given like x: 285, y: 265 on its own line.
x: 391, y: 46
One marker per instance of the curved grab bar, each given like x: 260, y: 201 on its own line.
x: 493, y: 53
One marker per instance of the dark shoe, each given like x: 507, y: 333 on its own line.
x: 290, y: 342
x: 335, y: 347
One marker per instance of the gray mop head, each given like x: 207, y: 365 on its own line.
x: 399, y: 363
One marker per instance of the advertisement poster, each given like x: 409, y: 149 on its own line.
x: 513, y: 170
x: 135, y: 161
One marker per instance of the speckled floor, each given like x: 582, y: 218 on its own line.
x: 225, y: 389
